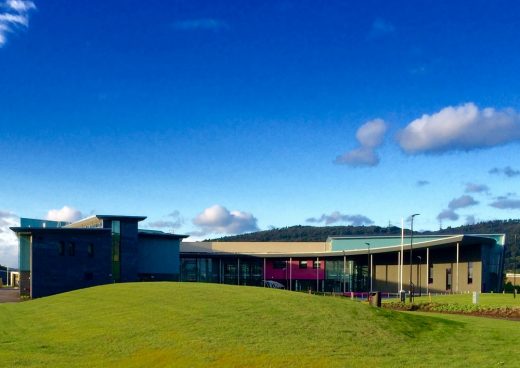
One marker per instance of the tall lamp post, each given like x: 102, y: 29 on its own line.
x: 368, y: 266
x: 411, y: 257
x: 514, y: 272
x: 419, y: 274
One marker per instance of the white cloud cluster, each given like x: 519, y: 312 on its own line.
x: 174, y: 221
x: 8, y: 240
x: 506, y: 204
x: 336, y: 216
x: 507, y: 171
x: 14, y: 14
x: 463, y: 127
x: 218, y: 219
x: 455, y: 204
x: 370, y: 136
x: 462, y: 202
x: 66, y: 213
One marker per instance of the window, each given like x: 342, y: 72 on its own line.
x: 90, y: 250
x: 279, y: 265
x: 470, y: 273
x: 61, y: 248
x: 316, y: 264
x: 430, y: 273
x: 448, y: 279
x: 303, y: 264
x: 72, y: 249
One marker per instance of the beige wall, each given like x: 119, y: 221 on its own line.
x: 255, y: 247
x: 386, y: 270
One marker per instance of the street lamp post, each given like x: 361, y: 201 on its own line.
x: 419, y: 274
x: 368, y: 266
x: 514, y: 272
x: 411, y: 257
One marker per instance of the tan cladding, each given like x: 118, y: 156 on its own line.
x: 254, y: 247
x: 386, y: 278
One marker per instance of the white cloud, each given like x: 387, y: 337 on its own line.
x: 370, y: 136
x: 8, y: 240
x: 476, y: 188
x: 462, y: 202
x: 174, y: 221
x: 66, y: 213
x: 21, y: 5
x: 218, y: 219
x: 506, y: 204
x: 463, y: 127
x: 448, y: 215
x: 14, y: 14
x: 336, y: 216
x: 507, y: 171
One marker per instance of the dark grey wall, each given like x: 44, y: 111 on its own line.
x: 53, y: 273
x: 129, y: 249
x: 158, y: 258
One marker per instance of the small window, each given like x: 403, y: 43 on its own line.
x: 430, y: 273
x: 316, y: 264
x: 303, y: 264
x: 279, y: 265
x: 72, y: 249
x: 448, y: 279
x: 61, y: 248
x: 470, y: 273
x: 90, y: 250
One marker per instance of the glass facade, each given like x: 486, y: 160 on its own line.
x: 340, y: 275
x: 224, y: 270
x: 116, y: 251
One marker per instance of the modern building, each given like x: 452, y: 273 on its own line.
x: 437, y: 264
x: 55, y: 257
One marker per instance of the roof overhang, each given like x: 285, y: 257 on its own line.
x: 160, y: 234
x: 442, y: 242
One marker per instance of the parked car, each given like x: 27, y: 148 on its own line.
x: 273, y: 284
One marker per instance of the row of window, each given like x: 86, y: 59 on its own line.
x: 70, y: 249
x: 281, y: 265
x: 448, y: 275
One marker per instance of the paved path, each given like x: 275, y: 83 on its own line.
x: 9, y: 295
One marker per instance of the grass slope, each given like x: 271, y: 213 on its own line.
x: 201, y: 325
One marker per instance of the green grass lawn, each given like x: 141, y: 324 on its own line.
x: 495, y: 300
x: 210, y: 325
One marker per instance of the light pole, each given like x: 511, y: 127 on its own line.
x: 411, y: 257
x: 514, y: 272
x: 419, y: 274
x: 368, y: 266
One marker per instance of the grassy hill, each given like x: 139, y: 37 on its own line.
x: 210, y: 325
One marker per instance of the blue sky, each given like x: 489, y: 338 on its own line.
x: 218, y: 117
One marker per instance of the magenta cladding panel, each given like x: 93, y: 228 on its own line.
x: 293, y: 268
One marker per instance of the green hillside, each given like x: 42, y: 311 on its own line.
x: 210, y: 325
x: 320, y: 233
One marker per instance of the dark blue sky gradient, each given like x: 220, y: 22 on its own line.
x: 147, y: 107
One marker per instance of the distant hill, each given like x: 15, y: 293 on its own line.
x: 320, y: 233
